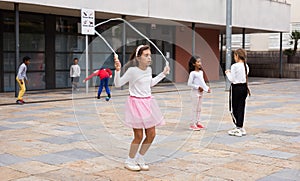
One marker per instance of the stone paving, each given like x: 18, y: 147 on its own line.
x: 60, y: 135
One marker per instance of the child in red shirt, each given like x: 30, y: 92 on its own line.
x: 104, y: 74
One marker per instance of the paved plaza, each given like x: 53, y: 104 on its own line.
x: 65, y: 135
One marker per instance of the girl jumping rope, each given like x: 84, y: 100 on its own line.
x: 196, y: 81
x: 141, y: 110
x: 238, y: 76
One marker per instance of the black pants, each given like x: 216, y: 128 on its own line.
x: 238, y: 101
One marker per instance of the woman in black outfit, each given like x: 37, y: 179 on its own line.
x: 238, y: 76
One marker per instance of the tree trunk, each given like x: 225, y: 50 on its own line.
x: 295, y: 46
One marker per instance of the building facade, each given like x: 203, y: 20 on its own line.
x: 271, y: 41
x: 49, y: 32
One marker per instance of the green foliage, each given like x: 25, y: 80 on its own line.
x: 295, y: 36
x: 288, y: 52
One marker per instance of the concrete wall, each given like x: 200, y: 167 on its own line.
x: 273, y: 16
x: 262, y: 14
x: 266, y: 64
x: 259, y: 42
x: 272, y: 70
x: 265, y: 42
x: 183, y: 51
x: 295, y: 13
x: 206, y: 46
x: 198, y: 11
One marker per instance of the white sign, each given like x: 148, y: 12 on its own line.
x: 87, y: 21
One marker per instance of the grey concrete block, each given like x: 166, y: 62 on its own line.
x: 271, y: 153
x: 79, y: 154
x: 8, y: 159
x: 53, y: 159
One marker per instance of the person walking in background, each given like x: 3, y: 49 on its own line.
x: 75, y: 74
x: 238, y: 76
x: 22, y: 78
x: 141, y: 111
x: 198, y: 85
x: 104, y: 74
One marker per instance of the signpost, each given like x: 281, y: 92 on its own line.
x: 228, y: 39
x: 87, y: 21
x: 87, y: 28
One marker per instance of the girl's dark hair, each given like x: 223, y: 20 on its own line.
x: 132, y: 59
x: 192, y: 61
x: 26, y: 58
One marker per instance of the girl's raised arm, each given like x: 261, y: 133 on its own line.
x: 160, y: 76
x: 118, y: 80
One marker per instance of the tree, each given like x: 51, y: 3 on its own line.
x: 295, y: 36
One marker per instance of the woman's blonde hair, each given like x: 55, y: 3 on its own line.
x: 241, y: 53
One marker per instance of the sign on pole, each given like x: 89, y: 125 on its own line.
x: 87, y: 21
x: 87, y: 28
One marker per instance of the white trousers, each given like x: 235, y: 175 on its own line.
x: 196, y: 105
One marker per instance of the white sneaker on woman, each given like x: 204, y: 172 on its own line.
x: 141, y: 162
x: 243, y: 131
x: 235, y: 132
x: 131, y: 164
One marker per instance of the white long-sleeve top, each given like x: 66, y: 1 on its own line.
x: 75, y: 71
x: 196, y: 80
x: 140, y: 81
x: 22, y: 72
x: 237, y: 74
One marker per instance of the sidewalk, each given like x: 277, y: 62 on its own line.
x: 40, y: 96
x: 58, y: 135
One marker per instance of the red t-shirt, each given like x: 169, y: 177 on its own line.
x: 102, y: 73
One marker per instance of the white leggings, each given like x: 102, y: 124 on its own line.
x: 196, y: 105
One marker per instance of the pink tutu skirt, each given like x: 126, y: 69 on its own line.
x: 142, y: 113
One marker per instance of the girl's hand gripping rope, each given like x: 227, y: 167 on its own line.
x: 200, y: 89
x: 209, y: 90
x: 117, y: 63
x: 166, y: 70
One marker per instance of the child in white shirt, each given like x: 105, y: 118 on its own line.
x: 141, y: 110
x: 238, y: 76
x: 196, y: 81
x: 75, y: 74
x: 22, y: 78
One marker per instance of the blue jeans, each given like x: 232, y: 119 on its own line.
x: 104, y: 82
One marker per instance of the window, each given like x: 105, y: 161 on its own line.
x: 32, y: 44
x: 69, y: 44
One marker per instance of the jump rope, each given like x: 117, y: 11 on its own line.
x: 132, y: 27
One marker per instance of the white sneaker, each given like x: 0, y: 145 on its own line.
x: 235, y: 132
x: 141, y: 162
x: 131, y: 164
x: 243, y: 131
